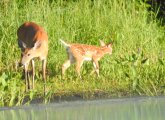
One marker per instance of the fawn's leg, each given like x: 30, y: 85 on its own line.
x: 33, y: 72
x: 67, y: 63
x: 78, y: 67
x: 96, y: 67
x: 65, y: 66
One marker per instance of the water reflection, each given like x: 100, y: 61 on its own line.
x: 113, y: 109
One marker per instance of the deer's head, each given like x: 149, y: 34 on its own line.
x: 29, y: 53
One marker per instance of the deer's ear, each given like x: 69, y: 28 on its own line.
x: 102, y: 43
x: 21, y: 44
x: 37, y: 45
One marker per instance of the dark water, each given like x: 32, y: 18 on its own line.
x: 146, y: 108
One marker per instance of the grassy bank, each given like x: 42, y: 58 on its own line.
x: 136, y: 66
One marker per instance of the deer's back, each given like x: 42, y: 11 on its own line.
x: 30, y: 32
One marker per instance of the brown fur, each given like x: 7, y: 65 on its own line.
x: 33, y: 41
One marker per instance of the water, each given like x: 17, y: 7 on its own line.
x: 143, y: 108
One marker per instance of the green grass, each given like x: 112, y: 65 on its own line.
x: 136, y: 66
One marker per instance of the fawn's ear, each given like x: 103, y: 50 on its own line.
x: 102, y: 43
x: 109, y: 45
x: 37, y: 44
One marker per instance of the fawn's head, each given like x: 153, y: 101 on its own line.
x: 29, y: 53
x: 108, y: 47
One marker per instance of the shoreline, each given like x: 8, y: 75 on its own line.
x: 67, y: 101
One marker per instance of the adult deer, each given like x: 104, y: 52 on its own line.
x: 80, y: 52
x: 33, y: 41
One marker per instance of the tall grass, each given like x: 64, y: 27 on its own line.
x: 136, y: 66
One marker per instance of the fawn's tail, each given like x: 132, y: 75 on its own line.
x: 66, y: 45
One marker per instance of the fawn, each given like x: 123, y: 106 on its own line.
x: 33, y: 41
x: 80, y: 52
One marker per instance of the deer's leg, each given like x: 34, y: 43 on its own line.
x: 20, y: 65
x: 96, y: 66
x: 44, y: 70
x: 44, y: 73
x: 65, y: 66
x: 27, y: 83
x: 78, y: 67
x: 33, y: 72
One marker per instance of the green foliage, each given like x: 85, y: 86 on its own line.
x: 136, y: 66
